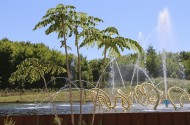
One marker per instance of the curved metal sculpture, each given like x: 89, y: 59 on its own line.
x: 101, y: 99
x: 126, y: 99
x: 183, y: 93
x: 140, y: 95
x: 146, y: 93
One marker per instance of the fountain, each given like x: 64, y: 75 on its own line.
x: 120, y: 98
x: 164, y: 31
x: 120, y: 101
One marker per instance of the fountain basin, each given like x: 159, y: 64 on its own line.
x: 42, y: 114
x: 14, y: 109
x: 141, y: 118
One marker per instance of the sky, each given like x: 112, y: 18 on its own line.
x: 161, y: 23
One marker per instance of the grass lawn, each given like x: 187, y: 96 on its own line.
x: 41, y: 96
x: 63, y: 96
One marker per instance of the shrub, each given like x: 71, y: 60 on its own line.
x: 8, y: 121
x: 173, y: 75
x: 57, y: 120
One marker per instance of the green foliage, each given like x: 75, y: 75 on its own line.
x: 8, y: 121
x: 188, y: 89
x: 185, y: 60
x: 177, y: 65
x: 110, y: 40
x: 173, y: 67
x: 86, y: 71
x: 6, y: 63
x: 59, y: 19
x: 173, y: 75
x: 32, y: 69
x: 184, y: 55
x: 95, y: 65
x: 57, y: 120
x: 186, y: 64
x: 153, y: 62
x: 13, y: 53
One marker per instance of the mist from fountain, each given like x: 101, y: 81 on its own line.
x: 135, y: 71
x: 165, y: 75
x: 137, y: 67
x: 164, y: 31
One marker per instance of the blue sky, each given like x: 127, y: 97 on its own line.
x: 130, y: 17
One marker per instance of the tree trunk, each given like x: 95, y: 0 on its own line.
x: 104, y: 61
x: 69, y: 81
x: 79, y: 76
x: 100, y: 80
x: 46, y: 89
x: 42, y: 76
x: 45, y: 83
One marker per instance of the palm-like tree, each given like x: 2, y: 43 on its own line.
x: 59, y: 20
x: 110, y: 40
x: 81, y: 21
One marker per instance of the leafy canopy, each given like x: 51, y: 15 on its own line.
x: 33, y: 69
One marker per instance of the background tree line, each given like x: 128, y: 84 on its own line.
x: 177, y: 64
x: 13, y: 53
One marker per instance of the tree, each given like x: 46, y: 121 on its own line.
x: 152, y: 62
x: 173, y: 65
x: 105, y: 39
x: 33, y: 69
x: 185, y: 61
x: 187, y: 68
x: 13, y: 53
x: 59, y: 20
x: 95, y: 65
x: 184, y: 55
x: 81, y: 21
x: 173, y: 75
x: 6, y: 54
